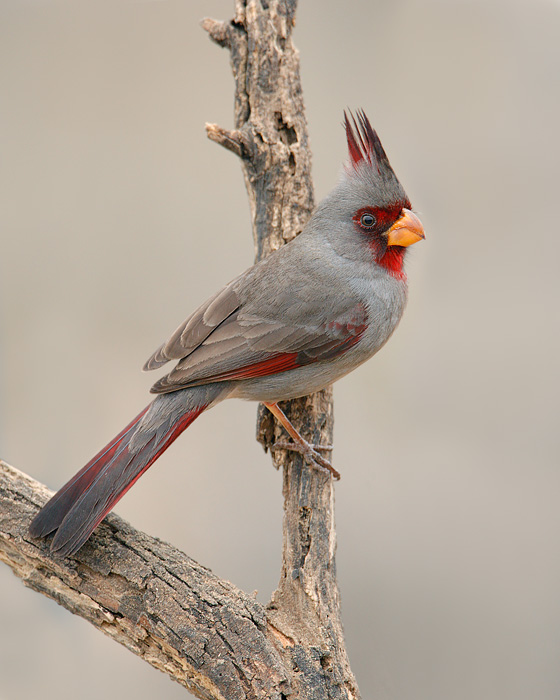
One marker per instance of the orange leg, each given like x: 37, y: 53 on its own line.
x: 299, y: 443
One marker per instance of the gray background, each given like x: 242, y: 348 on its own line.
x: 117, y: 217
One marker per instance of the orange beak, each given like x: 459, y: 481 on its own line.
x: 406, y: 230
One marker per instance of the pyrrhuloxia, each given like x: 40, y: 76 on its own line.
x: 290, y: 325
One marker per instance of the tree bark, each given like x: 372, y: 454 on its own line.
x: 202, y: 631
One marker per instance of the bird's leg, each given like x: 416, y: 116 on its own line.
x: 299, y: 443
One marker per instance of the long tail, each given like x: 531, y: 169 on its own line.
x: 81, y: 504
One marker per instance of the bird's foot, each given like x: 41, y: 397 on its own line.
x: 299, y: 443
x: 310, y: 454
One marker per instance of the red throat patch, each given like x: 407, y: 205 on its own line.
x: 393, y: 261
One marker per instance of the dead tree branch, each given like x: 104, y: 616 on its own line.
x: 202, y: 631
x: 153, y: 599
x: 271, y: 138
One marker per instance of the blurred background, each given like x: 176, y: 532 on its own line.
x: 118, y: 217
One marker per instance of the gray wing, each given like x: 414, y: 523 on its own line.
x: 262, y: 323
x: 198, y: 326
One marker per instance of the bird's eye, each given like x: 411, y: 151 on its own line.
x: 367, y: 221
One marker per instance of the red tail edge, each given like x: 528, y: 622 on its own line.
x: 179, y: 427
x: 55, y: 510
x: 69, y: 511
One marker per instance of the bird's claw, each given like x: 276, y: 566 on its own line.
x: 310, y: 454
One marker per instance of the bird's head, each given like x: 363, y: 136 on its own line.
x: 369, y: 205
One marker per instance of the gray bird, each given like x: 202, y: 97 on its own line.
x: 292, y: 324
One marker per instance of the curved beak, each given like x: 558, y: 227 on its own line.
x: 406, y: 230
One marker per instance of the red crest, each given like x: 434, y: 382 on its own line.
x: 363, y: 142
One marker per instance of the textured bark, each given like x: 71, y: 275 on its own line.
x: 202, y: 631
x: 270, y: 137
x: 174, y: 613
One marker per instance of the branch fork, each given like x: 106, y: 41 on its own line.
x: 206, y: 634
x: 236, y: 140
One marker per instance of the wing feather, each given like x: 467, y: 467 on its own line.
x: 196, y: 329
x: 242, y: 347
x: 264, y: 322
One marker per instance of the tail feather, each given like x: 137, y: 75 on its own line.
x: 110, y: 485
x: 51, y: 516
x: 79, y: 506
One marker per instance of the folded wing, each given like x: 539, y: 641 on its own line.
x: 222, y: 342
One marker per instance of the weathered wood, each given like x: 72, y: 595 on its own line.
x: 271, y: 139
x: 174, y: 613
x: 202, y: 631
